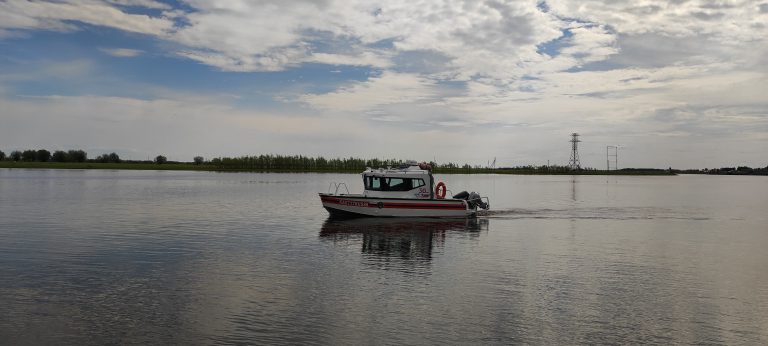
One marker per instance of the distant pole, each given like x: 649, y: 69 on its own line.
x: 574, y: 163
x: 614, y: 155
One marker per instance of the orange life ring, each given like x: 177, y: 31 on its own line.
x: 440, y: 190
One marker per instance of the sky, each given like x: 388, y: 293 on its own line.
x: 676, y: 83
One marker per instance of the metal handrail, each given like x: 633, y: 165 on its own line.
x: 339, y: 185
x: 336, y: 187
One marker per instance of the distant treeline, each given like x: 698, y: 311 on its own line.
x: 42, y: 155
x: 298, y: 163
x: 740, y: 170
x: 301, y: 163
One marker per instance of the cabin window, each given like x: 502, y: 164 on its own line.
x: 372, y: 183
x: 392, y: 184
x: 398, y: 184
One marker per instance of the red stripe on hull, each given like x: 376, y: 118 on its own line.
x: 395, y: 205
x: 424, y: 206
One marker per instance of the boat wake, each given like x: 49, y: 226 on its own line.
x: 605, y: 213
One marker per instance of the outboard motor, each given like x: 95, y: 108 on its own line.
x: 473, y: 199
x: 461, y: 195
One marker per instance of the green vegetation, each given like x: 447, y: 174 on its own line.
x: 78, y: 159
x: 28, y: 155
x: 108, y: 158
x: 133, y: 165
x: 741, y: 170
x: 299, y: 163
x: 69, y: 156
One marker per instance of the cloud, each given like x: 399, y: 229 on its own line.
x: 459, y: 68
x: 58, y: 16
x: 490, y: 39
x: 472, y: 39
x: 275, y: 60
x: 48, y: 71
x: 249, y: 36
x: 735, y: 19
x: 483, y: 39
x: 10, y: 34
x: 197, y: 123
x: 590, y: 44
x: 122, y: 52
x: 388, y: 88
x: 141, y: 3
x: 362, y: 59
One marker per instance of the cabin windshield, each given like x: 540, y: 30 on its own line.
x: 392, y: 184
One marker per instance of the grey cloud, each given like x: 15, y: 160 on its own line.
x: 668, y: 55
x: 651, y: 50
x: 619, y: 94
x: 717, y: 4
x: 422, y: 61
x: 141, y: 3
x: 62, y: 16
x: 717, y: 121
x: 645, y: 10
x: 514, y: 29
x: 708, y: 16
x: 687, y: 19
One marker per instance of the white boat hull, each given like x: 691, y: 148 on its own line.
x: 359, y: 205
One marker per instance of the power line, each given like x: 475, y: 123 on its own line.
x: 612, y: 151
x: 574, y: 163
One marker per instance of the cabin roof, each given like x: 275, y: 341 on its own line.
x: 410, y: 170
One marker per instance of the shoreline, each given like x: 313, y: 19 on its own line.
x: 173, y: 166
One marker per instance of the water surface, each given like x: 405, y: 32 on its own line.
x: 106, y: 257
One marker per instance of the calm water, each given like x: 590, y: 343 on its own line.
x: 115, y: 257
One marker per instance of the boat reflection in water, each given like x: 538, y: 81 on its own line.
x: 407, y: 239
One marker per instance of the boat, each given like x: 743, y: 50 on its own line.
x: 405, y: 191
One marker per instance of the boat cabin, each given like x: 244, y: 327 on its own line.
x: 411, y: 181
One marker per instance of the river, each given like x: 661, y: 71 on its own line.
x: 165, y: 257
